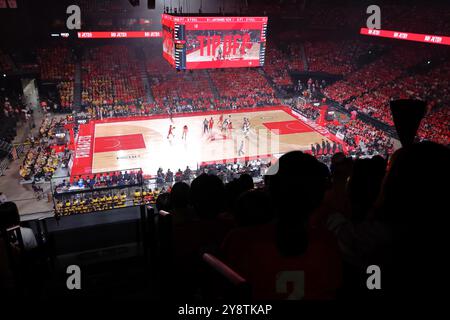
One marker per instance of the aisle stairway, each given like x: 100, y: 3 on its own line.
x: 304, y: 59
x: 212, y: 85
x: 144, y: 75
x: 278, y: 92
x: 77, y: 86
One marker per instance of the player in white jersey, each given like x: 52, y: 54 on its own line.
x: 246, y: 127
x: 185, y: 131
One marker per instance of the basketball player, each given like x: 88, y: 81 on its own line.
x: 230, y: 128
x: 219, y: 55
x: 224, y: 125
x: 246, y: 127
x: 171, y: 132
x: 241, y: 149
x: 185, y: 130
x: 205, y: 126
x: 211, y: 124
x: 221, y: 119
x: 170, y: 114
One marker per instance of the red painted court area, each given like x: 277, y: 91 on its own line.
x: 116, y: 143
x: 287, y: 127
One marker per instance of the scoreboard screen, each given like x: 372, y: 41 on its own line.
x: 168, y: 41
x: 214, y: 42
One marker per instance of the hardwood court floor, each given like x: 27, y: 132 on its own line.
x: 143, y: 143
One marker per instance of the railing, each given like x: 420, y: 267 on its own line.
x: 15, y: 153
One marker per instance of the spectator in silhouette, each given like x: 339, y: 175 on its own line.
x: 204, y: 232
x: 398, y: 232
x: 179, y: 203
x: 289, y: 252
x: 207, y: 196
x: 413, y: 203
x: 253, y: 207
x: 364, y: 186
x: 9, y: 217
x: 336, y: 196
x: 162, y: 202
x: 236, y: 187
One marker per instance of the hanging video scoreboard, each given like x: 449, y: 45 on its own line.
x: 214, y: 42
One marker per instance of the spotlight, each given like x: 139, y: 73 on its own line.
x: 4, y: 75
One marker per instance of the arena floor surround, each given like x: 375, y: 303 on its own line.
x: 142, y: 142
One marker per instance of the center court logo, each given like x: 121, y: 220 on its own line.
x: 128, y: 157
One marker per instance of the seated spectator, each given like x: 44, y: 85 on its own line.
x: 162, y: 202
x: 412, y: 200
x: 236, y: 187
x: 179, y: 203
x: 253, y: 207
x: 396, y: 233
x: 364, y: 186
x: 288, y: 250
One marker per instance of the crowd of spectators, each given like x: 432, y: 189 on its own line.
x: 183, y: 90
x: 57, y: 64
x: 41, y: 160
x: 364, y: 139
x: 395, y: 76
x: 105, y: 200
x: 243, y: 87
x: 101, y: 180
x: 65, y: 89
x: 110, y: 76
x: 435, y: 126
x: 306, y: 109
x: 347, y: 220
x: 225, y: 171
x: 383, y: 70
x: 334, y: 57
x: 10, y: 114
x: 277, y: 67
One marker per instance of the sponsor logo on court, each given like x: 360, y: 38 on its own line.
x: 83, y: 148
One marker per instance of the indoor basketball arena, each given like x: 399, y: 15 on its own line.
x: 192, y: 153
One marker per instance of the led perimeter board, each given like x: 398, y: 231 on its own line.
x: 214, y: 42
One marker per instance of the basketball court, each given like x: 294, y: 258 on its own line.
x: 142, y: 142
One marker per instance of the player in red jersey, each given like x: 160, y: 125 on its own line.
x: 185, y: 131
x: 170, y: 114
x: 221, y: 118
x: 211, y: 124
x: 171, y: 128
